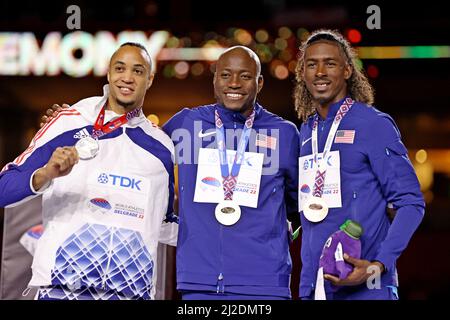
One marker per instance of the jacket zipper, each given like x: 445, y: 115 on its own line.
x: 220, y: 287
x: 354, y: 213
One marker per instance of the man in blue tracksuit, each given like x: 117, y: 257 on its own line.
x: 367, y: 170
x: 249, y: 259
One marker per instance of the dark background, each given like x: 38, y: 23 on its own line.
x: 415, y: 92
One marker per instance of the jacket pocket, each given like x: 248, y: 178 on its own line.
x: 397, y: 148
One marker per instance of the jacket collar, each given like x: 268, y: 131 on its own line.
x: 110, y: 115
x: 227, y: 115
x: 333, y: 109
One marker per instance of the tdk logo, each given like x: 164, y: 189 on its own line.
x: 103, y: 178
x: 121, y: 181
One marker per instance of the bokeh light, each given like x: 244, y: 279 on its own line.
x: 197, y: 69
x: 261, y: 36
x: 281, y: 44
x: 285, y: 32
x: 421, y: 156
x: 243, y: 37
x: 302, y: 34
x: 181, y: 69
x: 354, y: 36
x: 372, y: 71
x: 153, y: 118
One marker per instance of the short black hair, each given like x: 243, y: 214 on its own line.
x: 135, y: 44
x: 140, y: 46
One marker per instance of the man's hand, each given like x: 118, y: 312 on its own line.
x: 60, y: 164
x: 358, y: 275
x: 51, y: 113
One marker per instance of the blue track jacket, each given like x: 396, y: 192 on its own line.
x: 252, y: 256
x: 375, y: 171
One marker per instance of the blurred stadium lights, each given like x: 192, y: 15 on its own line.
x: 405, y: 52
x: 191, y: 54
x: 354, y: 36
x: 81, y: 53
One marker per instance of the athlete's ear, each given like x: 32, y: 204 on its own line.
x: 348, y: 71
x: 214, y: 68
x: 150, y: 80
x: 260, y: 82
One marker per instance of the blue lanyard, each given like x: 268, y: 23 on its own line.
x: 245, y: 137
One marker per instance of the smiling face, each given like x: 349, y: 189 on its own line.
x: 237, y: 80
x: 129, y: 78
x: 326, y: 72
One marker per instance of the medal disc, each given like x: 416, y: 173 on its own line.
x: 315, y: 209
x: 87, y: 148
x: 228, y: 212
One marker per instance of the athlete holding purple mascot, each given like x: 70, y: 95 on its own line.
x: 354, y: 163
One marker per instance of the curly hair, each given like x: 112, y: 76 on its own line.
x: 359, y: 87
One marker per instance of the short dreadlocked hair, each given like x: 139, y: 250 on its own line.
x: 359, y: 87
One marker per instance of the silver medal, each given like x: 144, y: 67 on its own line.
x: 87, y: 148
x: 315, y: 209
x: 228, y: 212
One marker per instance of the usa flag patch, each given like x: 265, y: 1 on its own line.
x: 345, y: 136
x: 265, y: 141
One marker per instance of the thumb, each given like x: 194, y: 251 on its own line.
x: 351, y: 260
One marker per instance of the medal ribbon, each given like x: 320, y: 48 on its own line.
x: 229, y: 179
x: 319, y: 181
x: 101, y: 129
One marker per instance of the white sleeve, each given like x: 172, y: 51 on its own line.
x: 169, y: 233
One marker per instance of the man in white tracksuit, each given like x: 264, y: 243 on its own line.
x: 106, y: 178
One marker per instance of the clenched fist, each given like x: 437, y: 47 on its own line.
x: 60, y: 164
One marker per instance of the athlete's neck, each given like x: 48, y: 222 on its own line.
x: 322, y: 110
x: 117, y: 108
x: 323, y: 107
x: 247, y: 111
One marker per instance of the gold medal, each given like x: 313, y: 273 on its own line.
x: 315, y: 209
x: 228, y: 212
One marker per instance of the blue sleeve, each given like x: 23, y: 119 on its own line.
x: 291, y: 152
x: 175, y: 122
x: 301, y: 136
x: 15, y: 184
x: 169, y: 127
x: 390, y: 163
